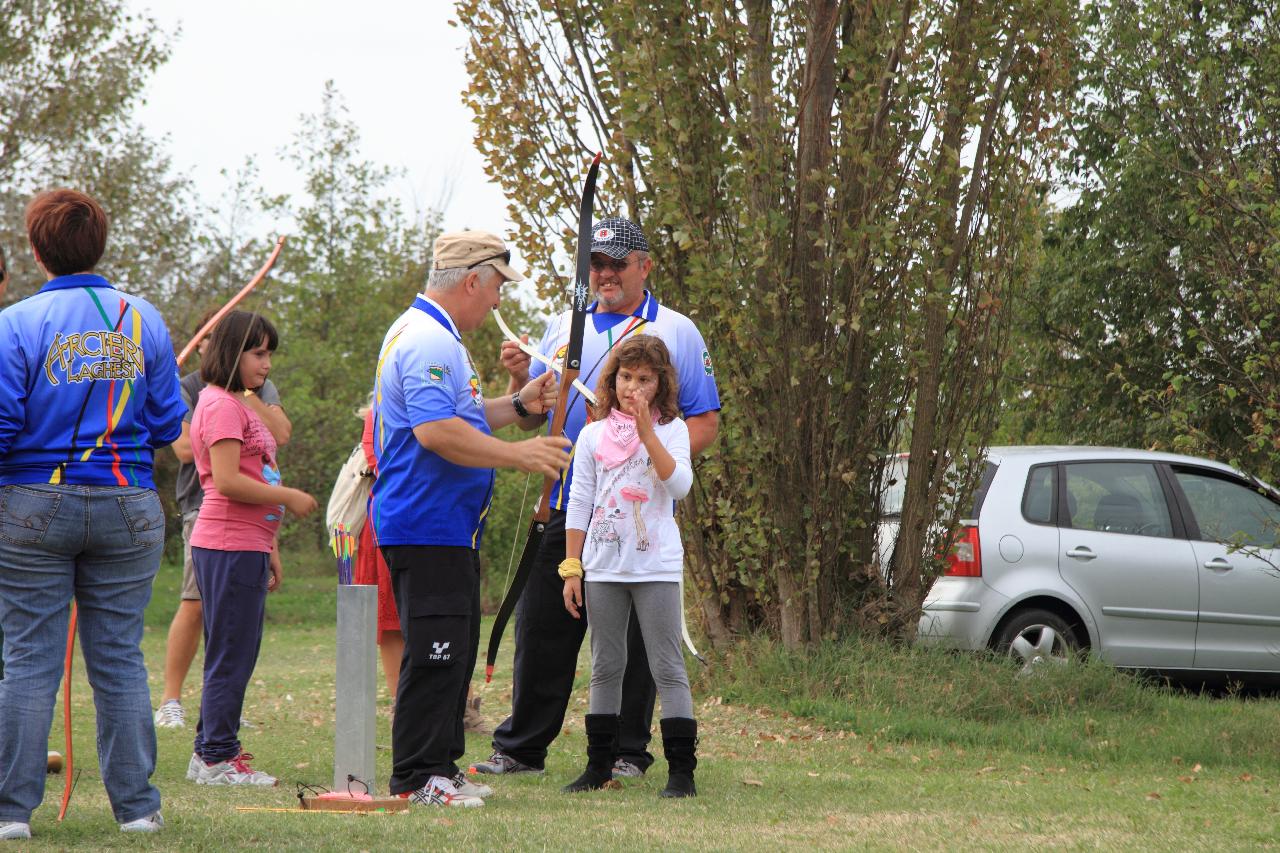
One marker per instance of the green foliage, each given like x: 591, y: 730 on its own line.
x: 69, y: 71
x: 1154, y: 323
x: 70, y: 75
x: 804, y: 174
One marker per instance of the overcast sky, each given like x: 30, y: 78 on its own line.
x: 241, y: 74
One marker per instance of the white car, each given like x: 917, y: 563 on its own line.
x: 1149, y: 560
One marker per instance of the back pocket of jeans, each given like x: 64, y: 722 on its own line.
x: 439, y: 627
x: 25, y: 514
x: 144, y: 516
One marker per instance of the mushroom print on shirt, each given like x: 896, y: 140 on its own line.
x: 637, y: 497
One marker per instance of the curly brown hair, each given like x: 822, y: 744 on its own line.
x: 640, y: 351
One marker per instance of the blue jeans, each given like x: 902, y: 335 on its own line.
x: 101, y: 544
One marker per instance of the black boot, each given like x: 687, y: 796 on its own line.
x: 679, y: 744
x: 602, y: 744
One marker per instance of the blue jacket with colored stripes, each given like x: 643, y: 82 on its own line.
x: 88, y: 386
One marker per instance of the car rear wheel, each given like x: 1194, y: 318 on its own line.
x: 1035, y: 638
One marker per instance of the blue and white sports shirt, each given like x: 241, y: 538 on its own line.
x: 425, y: 375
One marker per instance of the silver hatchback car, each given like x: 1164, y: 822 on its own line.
x: 1152, y: 561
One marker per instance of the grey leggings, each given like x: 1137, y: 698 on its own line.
x: 657, y: 605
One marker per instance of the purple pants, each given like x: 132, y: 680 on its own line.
x: 233, y: 589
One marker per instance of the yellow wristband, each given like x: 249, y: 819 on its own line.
x: 570, y: 567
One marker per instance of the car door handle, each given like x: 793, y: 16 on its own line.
x: 1217, y: 563
x: 1081, y: 553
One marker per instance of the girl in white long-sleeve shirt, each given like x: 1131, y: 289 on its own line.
x: 630, y: 466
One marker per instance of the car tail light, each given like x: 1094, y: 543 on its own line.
x: 965, y: 558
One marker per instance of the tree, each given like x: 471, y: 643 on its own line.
x: 844, y: 197
x: 1155, y: 320
x: 70, y: 76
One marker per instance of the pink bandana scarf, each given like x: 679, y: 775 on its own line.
x: 620, y: 440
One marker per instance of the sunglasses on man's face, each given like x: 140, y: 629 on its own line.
x: 505, y: 257
x: 607, y: 263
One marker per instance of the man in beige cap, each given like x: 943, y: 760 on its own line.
x: 436, y: 454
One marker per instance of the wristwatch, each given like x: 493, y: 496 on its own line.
x: 521, y: 411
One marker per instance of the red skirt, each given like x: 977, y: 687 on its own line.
x: 372, y: 569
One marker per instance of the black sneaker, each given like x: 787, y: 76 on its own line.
x: 501, y: 763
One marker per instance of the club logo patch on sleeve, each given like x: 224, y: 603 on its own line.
x: 474, y: 382
x: 437, y: 372
x: 706, y: 364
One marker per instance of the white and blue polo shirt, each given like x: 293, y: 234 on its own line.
x: 425, y: 375
x: 603, y: 331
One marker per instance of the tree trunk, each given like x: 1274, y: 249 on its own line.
x: 803, y: 307
x: 923, y: 464
x: 793, y: 611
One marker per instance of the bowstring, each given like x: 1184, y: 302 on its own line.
x: 515, y: 534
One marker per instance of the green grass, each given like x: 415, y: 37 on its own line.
x: 855, y: 746
x: 1086, y: 712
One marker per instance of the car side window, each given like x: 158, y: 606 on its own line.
x: 1230, y: 511
x: 1117, y: 497
x: 1037, y: 502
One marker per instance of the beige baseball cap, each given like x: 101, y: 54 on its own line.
x: 468, y: 249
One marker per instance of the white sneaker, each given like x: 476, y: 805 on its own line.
x: 150, y: 823
x: 440, y: 791
x: 467, y: 788
x: 234, y: 772
x: 193, y: 767
x: 171, y: 716
x: 11, y: 830
x: 626, y: 770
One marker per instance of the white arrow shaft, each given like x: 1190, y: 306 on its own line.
x: 529, y: 350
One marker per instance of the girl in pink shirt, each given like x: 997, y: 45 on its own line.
x: 233, y: 546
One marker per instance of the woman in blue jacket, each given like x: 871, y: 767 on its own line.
x: 88, y: 390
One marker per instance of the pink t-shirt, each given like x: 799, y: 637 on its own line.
x: 224, y: 524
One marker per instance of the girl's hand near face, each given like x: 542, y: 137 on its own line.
x: 637, y: 405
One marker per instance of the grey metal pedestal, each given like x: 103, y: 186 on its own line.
x: 357, y: 670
